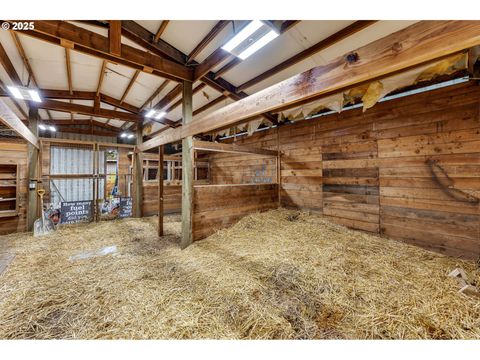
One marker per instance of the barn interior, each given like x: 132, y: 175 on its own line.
x: 274, y: 179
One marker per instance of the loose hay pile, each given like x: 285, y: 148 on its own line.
x: 280, y: 274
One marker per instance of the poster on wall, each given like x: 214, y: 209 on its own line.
x: 75, y: 211
x: 109, y: 208
x: 115, y: 208
x: 125, y: 207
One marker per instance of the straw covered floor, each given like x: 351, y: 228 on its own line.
x: 282, y: 274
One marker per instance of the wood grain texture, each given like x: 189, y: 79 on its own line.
x: 220, y: 206
x: 417, y: 44
x: 95, y: 44
x: 371, y: 171
x: 15, y: 152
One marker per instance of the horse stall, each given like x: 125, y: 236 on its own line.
x: 155, y: 185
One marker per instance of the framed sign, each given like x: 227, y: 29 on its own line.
x: 126, y: 208
x: 75, y: 211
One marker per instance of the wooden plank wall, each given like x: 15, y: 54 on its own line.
x: 351, y: 184
x: 172, y: 198
x: 124, y: 163
x: 220, y: 206
x: 408, y: 168
x: 45, y: 169
x: 229, y: 168
x: 15, y: 152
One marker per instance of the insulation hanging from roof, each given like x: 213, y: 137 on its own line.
x: 221, y: 133
x: 254, y: 125
x: 446, y: 66
x: 333, y: 102
x: 370, y: 93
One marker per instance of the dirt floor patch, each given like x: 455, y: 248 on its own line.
x: 276, y: 275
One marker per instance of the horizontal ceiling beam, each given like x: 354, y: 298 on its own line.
x: 417, y: 44
x: 230, y: 148
x: 87, y: 110
x: 91, y: 131
x: 71, y: 122
x: 80, y: 39
x: 81, y: 95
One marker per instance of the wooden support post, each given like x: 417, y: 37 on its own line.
x: 96, y: 180
x: 32, y: 210
x: 138, y: 170
x: 160, y: 190
x: 279, y: 169
x: 187, y: 169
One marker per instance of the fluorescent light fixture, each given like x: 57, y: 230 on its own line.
x: 258, y: 45
x: 130, y: 136
x: 34, y: 95
x: 123, y: 135
x: 150, y: 113
x: 52, y: 128
x: 242, y: 35
x: 15, y: 92
x: 25, y: 93
x: 42, y: 127
x: 160, y: 115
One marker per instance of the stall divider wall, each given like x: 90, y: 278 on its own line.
x: 221, y: 205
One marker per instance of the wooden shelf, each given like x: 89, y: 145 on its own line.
x: 8, y: 213
x: 9, y: 185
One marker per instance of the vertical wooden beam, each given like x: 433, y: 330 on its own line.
x: 32, y: 156
x: 138, y: 169
x: 160, y: 190
x: 279, y: 168
x: 95, y: 181
x: 187, y: 169
x: 115, y: 37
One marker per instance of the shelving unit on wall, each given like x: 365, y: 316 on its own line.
x: 9, y: 181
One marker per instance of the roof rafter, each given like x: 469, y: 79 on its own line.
x: 161, y: 29
x: 67, y: 34
x: 417, y: 44
x: 220, y: 55
x: 208, y: 39
x: 321, y: 45
x: 129, y: 86
x: 26, y: 62
x: 12, y: 74
x: 137, y: 33
x: 155, y: 93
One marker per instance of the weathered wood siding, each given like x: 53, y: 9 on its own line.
x: 220, y: 206
x: 408, y: 168
x: 15, y: 152
x: 172, y: 198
